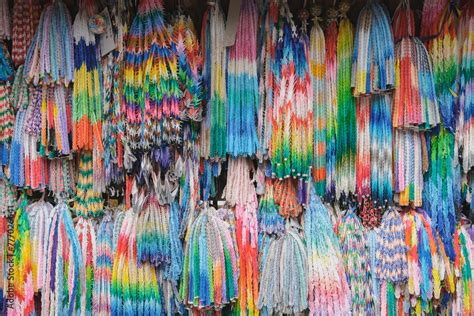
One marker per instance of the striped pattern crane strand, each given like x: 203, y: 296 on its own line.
x: 5, y: 21
x: 64, y: 269
x: 408, y: 167
x: 103, y: 267
x: 381, y: 148
x: 88, y: 86
x: 346, y: 130
x: 355, y: 255
x: 50, y: 57
x: 189, y: 67
x: 25, y: 19
x: 331, y: 102
x: 328, y: 290
x: 87, y: 241
x: 38, y: 216
x: 267, y: 78
x: 373, y: 60
x: 363, y: 159
x: 88, y: 201
x: 438, y: 193
x: 318, y: 72
x: 151, y: 88
x: 214, y: 124
x: 444, y: 52
x: 7, y: 122
x: 466, y: 82
x: 23, y: 285
x: 284, y: 280
x: 242, y: 85
x: 210, y: 270
x: 134, y: 288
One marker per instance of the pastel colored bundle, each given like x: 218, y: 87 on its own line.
x: 38, y: 216
x: 411, y: 161
x: 346, y: 130
x: 210, y: 270
x: 88, y: 201
x: 214, y: 124
x: 328, y: 290
x: 269, y: 219
x: 61, y: 176
x: 63, y: 269
x: 134, y: 288
x: 317, y: 55
x: 373, y: 60
x: 355, y: 254
x: 381, y: 149
x: 466, y: 87
x: 438, y: 193
x: 50, y: 57
x: 242, y: 85
x: 25, y: 19
x: 189, y: 67
x: 88, y: 88
x: 151, y: 90
x: 87, y: 241
x: 23, y: 285
x: 283, y: 280
x: 103, y: 267
x: 363, y: 159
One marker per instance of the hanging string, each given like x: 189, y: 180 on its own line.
x: 328, y: 290
x: 381, y: 149
x: 242, y: 85
x: 373, y: 59
x: 25, y: 19
x: 87, y: 241
x: 210, y: 270
x: 317, y: 61
x: 214, y: 125
x: 346, y: 130
x: 64, y: 269
x: 466, y: 87
x: 23, y: 285
x: 331, y: 102
x: 151, y: 88
x: 355, y: 254
x: 283, y: 281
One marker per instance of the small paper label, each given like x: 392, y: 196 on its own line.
x: 107, y: 39
x: 233, y: 16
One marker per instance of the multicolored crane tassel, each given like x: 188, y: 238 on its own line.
x: 363, y: 109
x: 464, y: 247
x: 269, y: 220
x: 328, y: 290
x: 151, y: 91
x: 242, y: 85
x: 346, y: 127
x: 373, y: 60
x: 88, y: 201
x: 214, y: 124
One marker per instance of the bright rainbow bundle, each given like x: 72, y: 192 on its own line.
x: 445, y: 66
x: 38, y: 216
x: 355, y: 255
x: 410, y: 160
x: 346, y: 129
x: 189, y: 67
x: 23, y: 283
x: 87, y: 89
x: 269, y: 220
x: 242, y: 85
x: 103, y: 267
x: 466, y: 87
x: 214, y: 124
x: 328, y: 290
x: 7, y: 121
x: 373, y: 60
x: 88, y: 201
x: 438, y: 193
x: 381, y: 148
x: 87, y: 241
x: 135, y: 288
x: 151, y: 90
x: 284, y: 280
x: 331, y: 102
x: 463, y: 266
x: 317, y: 60
x: 25, y: 19
x: 64, y: 269
x: 210, y: 270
